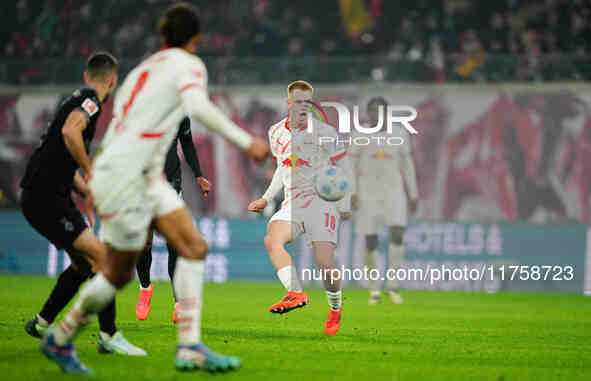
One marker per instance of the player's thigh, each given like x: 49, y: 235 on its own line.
x: 119, y: 265
x: 54, y: 217
x: 279, y: 233
x: 178, y: 229
x: 90, y: 248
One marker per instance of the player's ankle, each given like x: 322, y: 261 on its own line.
x: 105, y: 336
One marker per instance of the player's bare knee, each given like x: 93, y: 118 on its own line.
x: 195, y: 249
x: 272, y: 244
x: 396, y: 234
x: 200, y: 248
x: 371, y: 242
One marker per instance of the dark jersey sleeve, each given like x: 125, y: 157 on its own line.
x: 189, y: 151
x: 90, y: 105
x: 52, y: 166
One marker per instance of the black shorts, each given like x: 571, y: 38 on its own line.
x: 54, y: 216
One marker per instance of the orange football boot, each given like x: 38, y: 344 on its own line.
x: 333, y: 323
x: 175, y: 314
x: 142, y: 308
x: 291, y: 301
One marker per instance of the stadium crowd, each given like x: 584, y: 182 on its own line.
x: 451, y: 39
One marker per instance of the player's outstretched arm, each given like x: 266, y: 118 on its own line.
x: 189, y: 151
x: 272, y: 191
x: 191, y: 157
x: 72, y: 133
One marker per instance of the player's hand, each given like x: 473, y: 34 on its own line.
x: 258, y: 150
x: 257, y: 205
x: 205, y: 185
x: 346, y: 215
x: 87, y: 176
x: 355, y: 201
x: 412, y: 207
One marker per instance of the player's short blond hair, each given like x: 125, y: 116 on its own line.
x: 299, y: 85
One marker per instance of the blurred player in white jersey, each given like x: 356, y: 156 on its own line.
x: 299, y: 157
x: 130, y: 191
x: 380, y: 199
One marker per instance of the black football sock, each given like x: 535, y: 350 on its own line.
x: 106, y: 319
x: 172, y: 256
x: 143, y: 267
x: 64, y: 290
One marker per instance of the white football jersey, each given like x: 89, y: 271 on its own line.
x: 380, y: 166
x: 149, y: 106
x: 300, y: 155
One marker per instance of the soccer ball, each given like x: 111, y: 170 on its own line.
x: 331, y: 183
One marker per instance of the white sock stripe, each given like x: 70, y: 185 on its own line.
x: 335, y: 300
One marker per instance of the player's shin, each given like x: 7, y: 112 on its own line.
x: 143, y: 267
x: 188, y: 285
x: 106, y: 319
x: 95, y: 296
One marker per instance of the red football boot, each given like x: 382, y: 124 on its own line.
x: 291, y: 301
x: 333, y: 323
x: 175, y: 314
x: 142, y: 308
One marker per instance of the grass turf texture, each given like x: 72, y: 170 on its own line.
x: 433, y: 336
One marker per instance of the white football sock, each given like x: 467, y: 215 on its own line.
x: 288, y: 276
x: 97, y: 293
x: 335, y: 300
x: 395, y: 259
x: 188, y: 285
x: 370, y: 262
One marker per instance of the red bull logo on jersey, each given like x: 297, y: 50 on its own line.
x: 294, y: 162
x: 381, y: 155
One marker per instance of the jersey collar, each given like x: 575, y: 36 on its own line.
x: 286, y: 124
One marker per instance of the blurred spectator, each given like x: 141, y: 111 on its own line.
x: 478, y: 36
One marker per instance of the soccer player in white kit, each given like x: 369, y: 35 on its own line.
x: 300, y: 156
x: 380, y: 199
x: 130, y: 192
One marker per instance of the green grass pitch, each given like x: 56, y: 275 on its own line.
x: 433, y: 336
